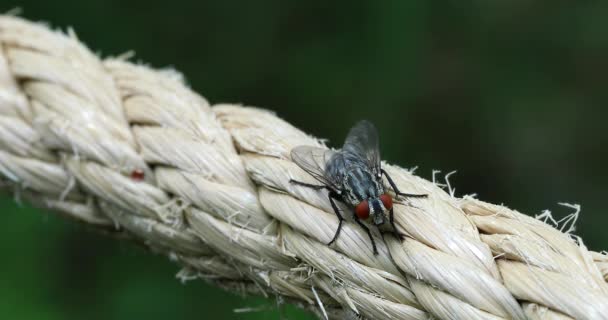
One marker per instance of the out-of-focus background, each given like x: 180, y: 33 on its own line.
x: 511, y: 94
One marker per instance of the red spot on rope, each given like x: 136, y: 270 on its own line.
x: 137, y: 175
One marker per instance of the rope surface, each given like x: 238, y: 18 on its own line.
x: 134, y: 151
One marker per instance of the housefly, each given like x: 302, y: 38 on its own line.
x: 353, y: 176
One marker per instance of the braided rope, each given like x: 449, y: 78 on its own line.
x: 132, y: 150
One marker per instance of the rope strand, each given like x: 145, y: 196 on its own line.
x: 126, y: 148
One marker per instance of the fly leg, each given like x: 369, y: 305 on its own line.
x: 308, y: 185
x: 369, y: 234
x: 332, y: 196
x: 397, y: 192
x: 392, y: 220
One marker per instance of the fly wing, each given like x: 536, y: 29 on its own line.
x: 314, y: 160
x: 362, y: 140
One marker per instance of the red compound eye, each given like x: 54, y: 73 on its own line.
x: 137, y: 175
x: 387, y: 201
x: 362, y: 210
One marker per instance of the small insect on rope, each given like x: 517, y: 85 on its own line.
x: 353, y: 176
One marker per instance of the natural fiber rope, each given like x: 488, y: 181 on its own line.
x: 216, y: 197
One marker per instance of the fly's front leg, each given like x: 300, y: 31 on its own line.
x: 369, y: 233
x: 332, y: 196
x: 397, y: 192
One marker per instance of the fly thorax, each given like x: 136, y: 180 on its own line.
x: 379, y: 186
x: 349, y: 195
x: 377, y: 210
x: 360, y: 184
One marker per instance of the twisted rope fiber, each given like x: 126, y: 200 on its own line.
x: 216, y: 198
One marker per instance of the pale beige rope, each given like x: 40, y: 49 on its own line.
x: 216, y: 198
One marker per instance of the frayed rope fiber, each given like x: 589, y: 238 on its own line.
x: 134, y: 152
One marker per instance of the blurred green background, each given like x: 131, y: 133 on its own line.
x: 510, y: 94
